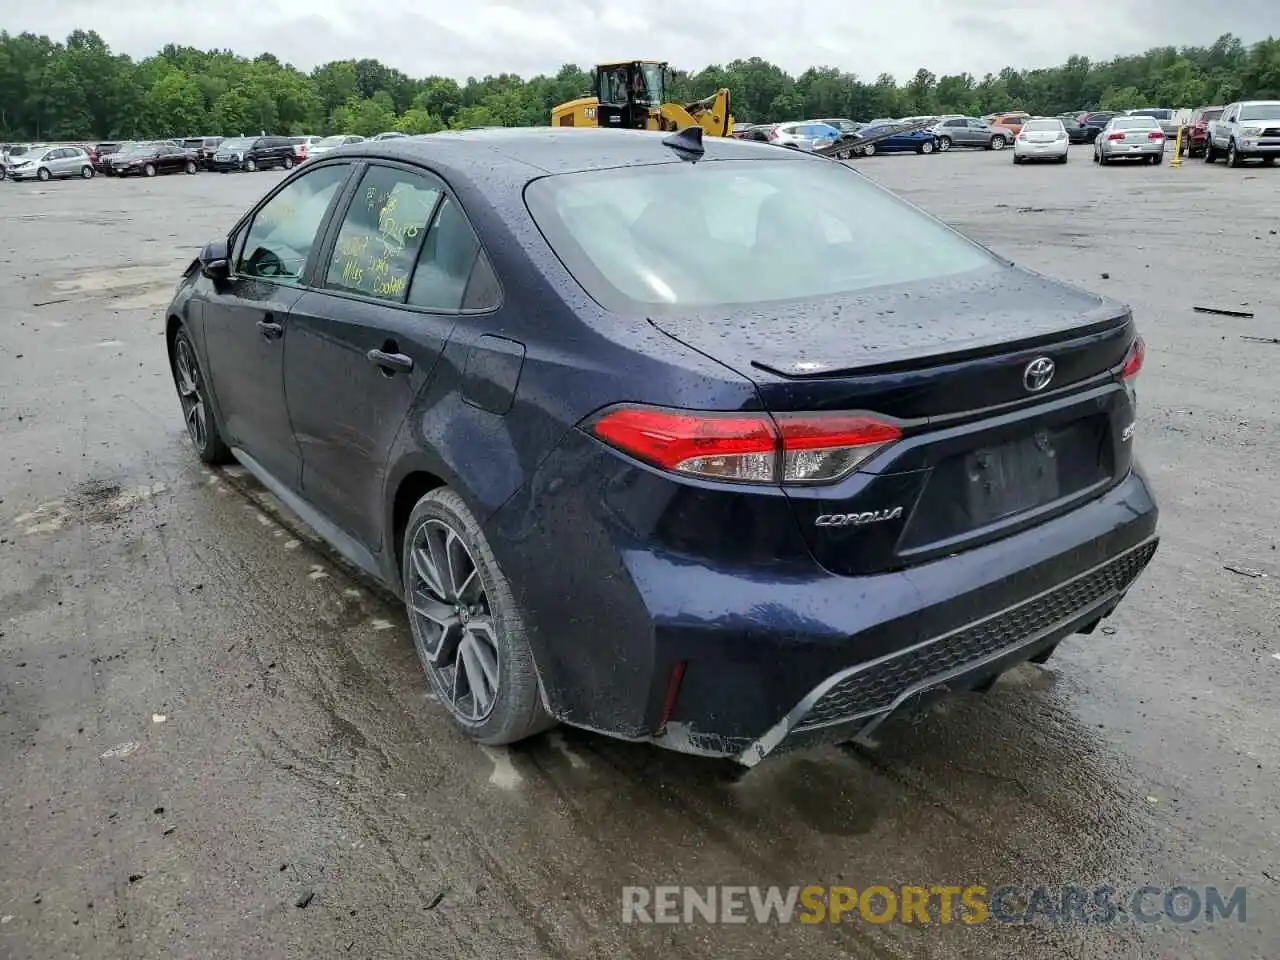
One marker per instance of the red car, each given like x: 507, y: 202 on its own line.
x: 1197, y: 129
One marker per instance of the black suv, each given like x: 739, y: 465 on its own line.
x: 204, y: 149
x: 253, y: 153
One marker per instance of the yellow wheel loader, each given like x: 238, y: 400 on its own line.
x: 629, y: 95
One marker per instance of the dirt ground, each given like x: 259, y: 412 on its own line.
x: 216, y: 742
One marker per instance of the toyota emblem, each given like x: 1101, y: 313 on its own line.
x: 1037, y: 374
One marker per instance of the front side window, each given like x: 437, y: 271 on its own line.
x: 284, y: 230
x: 381, y: 233
x: 739, y: 232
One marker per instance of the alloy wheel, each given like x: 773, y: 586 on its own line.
x: 456, y: 638
x: 944, y: 144
x: 193, y: 408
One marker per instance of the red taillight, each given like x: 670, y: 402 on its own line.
x: 1115, y: 136
x: 302, y: 152
x: 1133, y: 360
x: 1155, y: 135
x: 747, y: 447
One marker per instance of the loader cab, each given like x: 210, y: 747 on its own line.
x: 629, y: 93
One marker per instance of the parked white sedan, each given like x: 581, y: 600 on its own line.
x: 1041, y: 139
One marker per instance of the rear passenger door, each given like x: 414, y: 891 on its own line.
x: 402, y: 260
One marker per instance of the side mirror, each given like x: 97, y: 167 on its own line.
x: 214, y: 262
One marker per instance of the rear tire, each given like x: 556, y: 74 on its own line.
x: 250, y: 166
x: 487, y: 634
x: 944, y: 144
x: 998, y: 142
x: 87, y: 172
x: 1157, y: 159
x: 288, y: 163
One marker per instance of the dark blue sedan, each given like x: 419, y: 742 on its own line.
x: 658, y: 444
x: 905, y: 141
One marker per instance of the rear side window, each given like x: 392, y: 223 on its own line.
x: 735, y: 232
x: 447, y: 259
x: 382, y: 232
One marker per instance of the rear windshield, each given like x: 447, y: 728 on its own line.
x: 1159, y: 114
x: 737, y: 232
x: 1134, y: 123
x: 1260, y: 111
x: 1033, y: 125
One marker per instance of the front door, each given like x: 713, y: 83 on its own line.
x: 366, y: 345
x: 247, y: 319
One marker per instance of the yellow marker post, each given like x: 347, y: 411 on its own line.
x: 1177, y: 147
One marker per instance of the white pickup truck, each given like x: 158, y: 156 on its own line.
x: 1247, y: 130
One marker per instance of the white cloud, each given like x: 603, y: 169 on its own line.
x: 463, y: 38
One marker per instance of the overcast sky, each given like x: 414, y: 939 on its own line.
x: 461, y: 38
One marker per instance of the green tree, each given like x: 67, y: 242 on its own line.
x: 174, y: 106
x: 79, y: 89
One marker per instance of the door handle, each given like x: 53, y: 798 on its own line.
x: 270, y: 329
x: 389, y: 363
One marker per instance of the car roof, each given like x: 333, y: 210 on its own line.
x: 516, y: 155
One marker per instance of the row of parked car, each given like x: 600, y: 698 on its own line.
x: 1236, y: 132
x: 151, y: 158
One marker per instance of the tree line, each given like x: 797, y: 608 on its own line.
x: 80, y: 90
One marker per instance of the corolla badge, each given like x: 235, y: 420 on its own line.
x: 857, y: 519
x: 1037, y: 374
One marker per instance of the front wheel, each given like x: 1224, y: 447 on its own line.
x: 1210, y: 155
x: 466, y: 624
x: 191, y: 167
x: 998, y: 142
x: 149, y: 170
x: 87, y: 172
x: 250, y: 166
x: 44, y: 174
x: 944, y: 144
x: 869, y: 150
x: 288, y: 163
x: 1233, y: 155
x: 194, y: 399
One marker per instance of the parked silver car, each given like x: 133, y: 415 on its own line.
x: 1042, y: 138
x: 971, y: 132
x: 51, y: 163
x: 1135, y: 138
x: 329, y: 144
x: 804, y: 135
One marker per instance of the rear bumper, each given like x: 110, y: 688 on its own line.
x: 1151, y: 149
x: 852, y: 704
x: 1046, y: 151
x: 657, y: 612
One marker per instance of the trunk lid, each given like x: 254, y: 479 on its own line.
x: 981, y: 455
